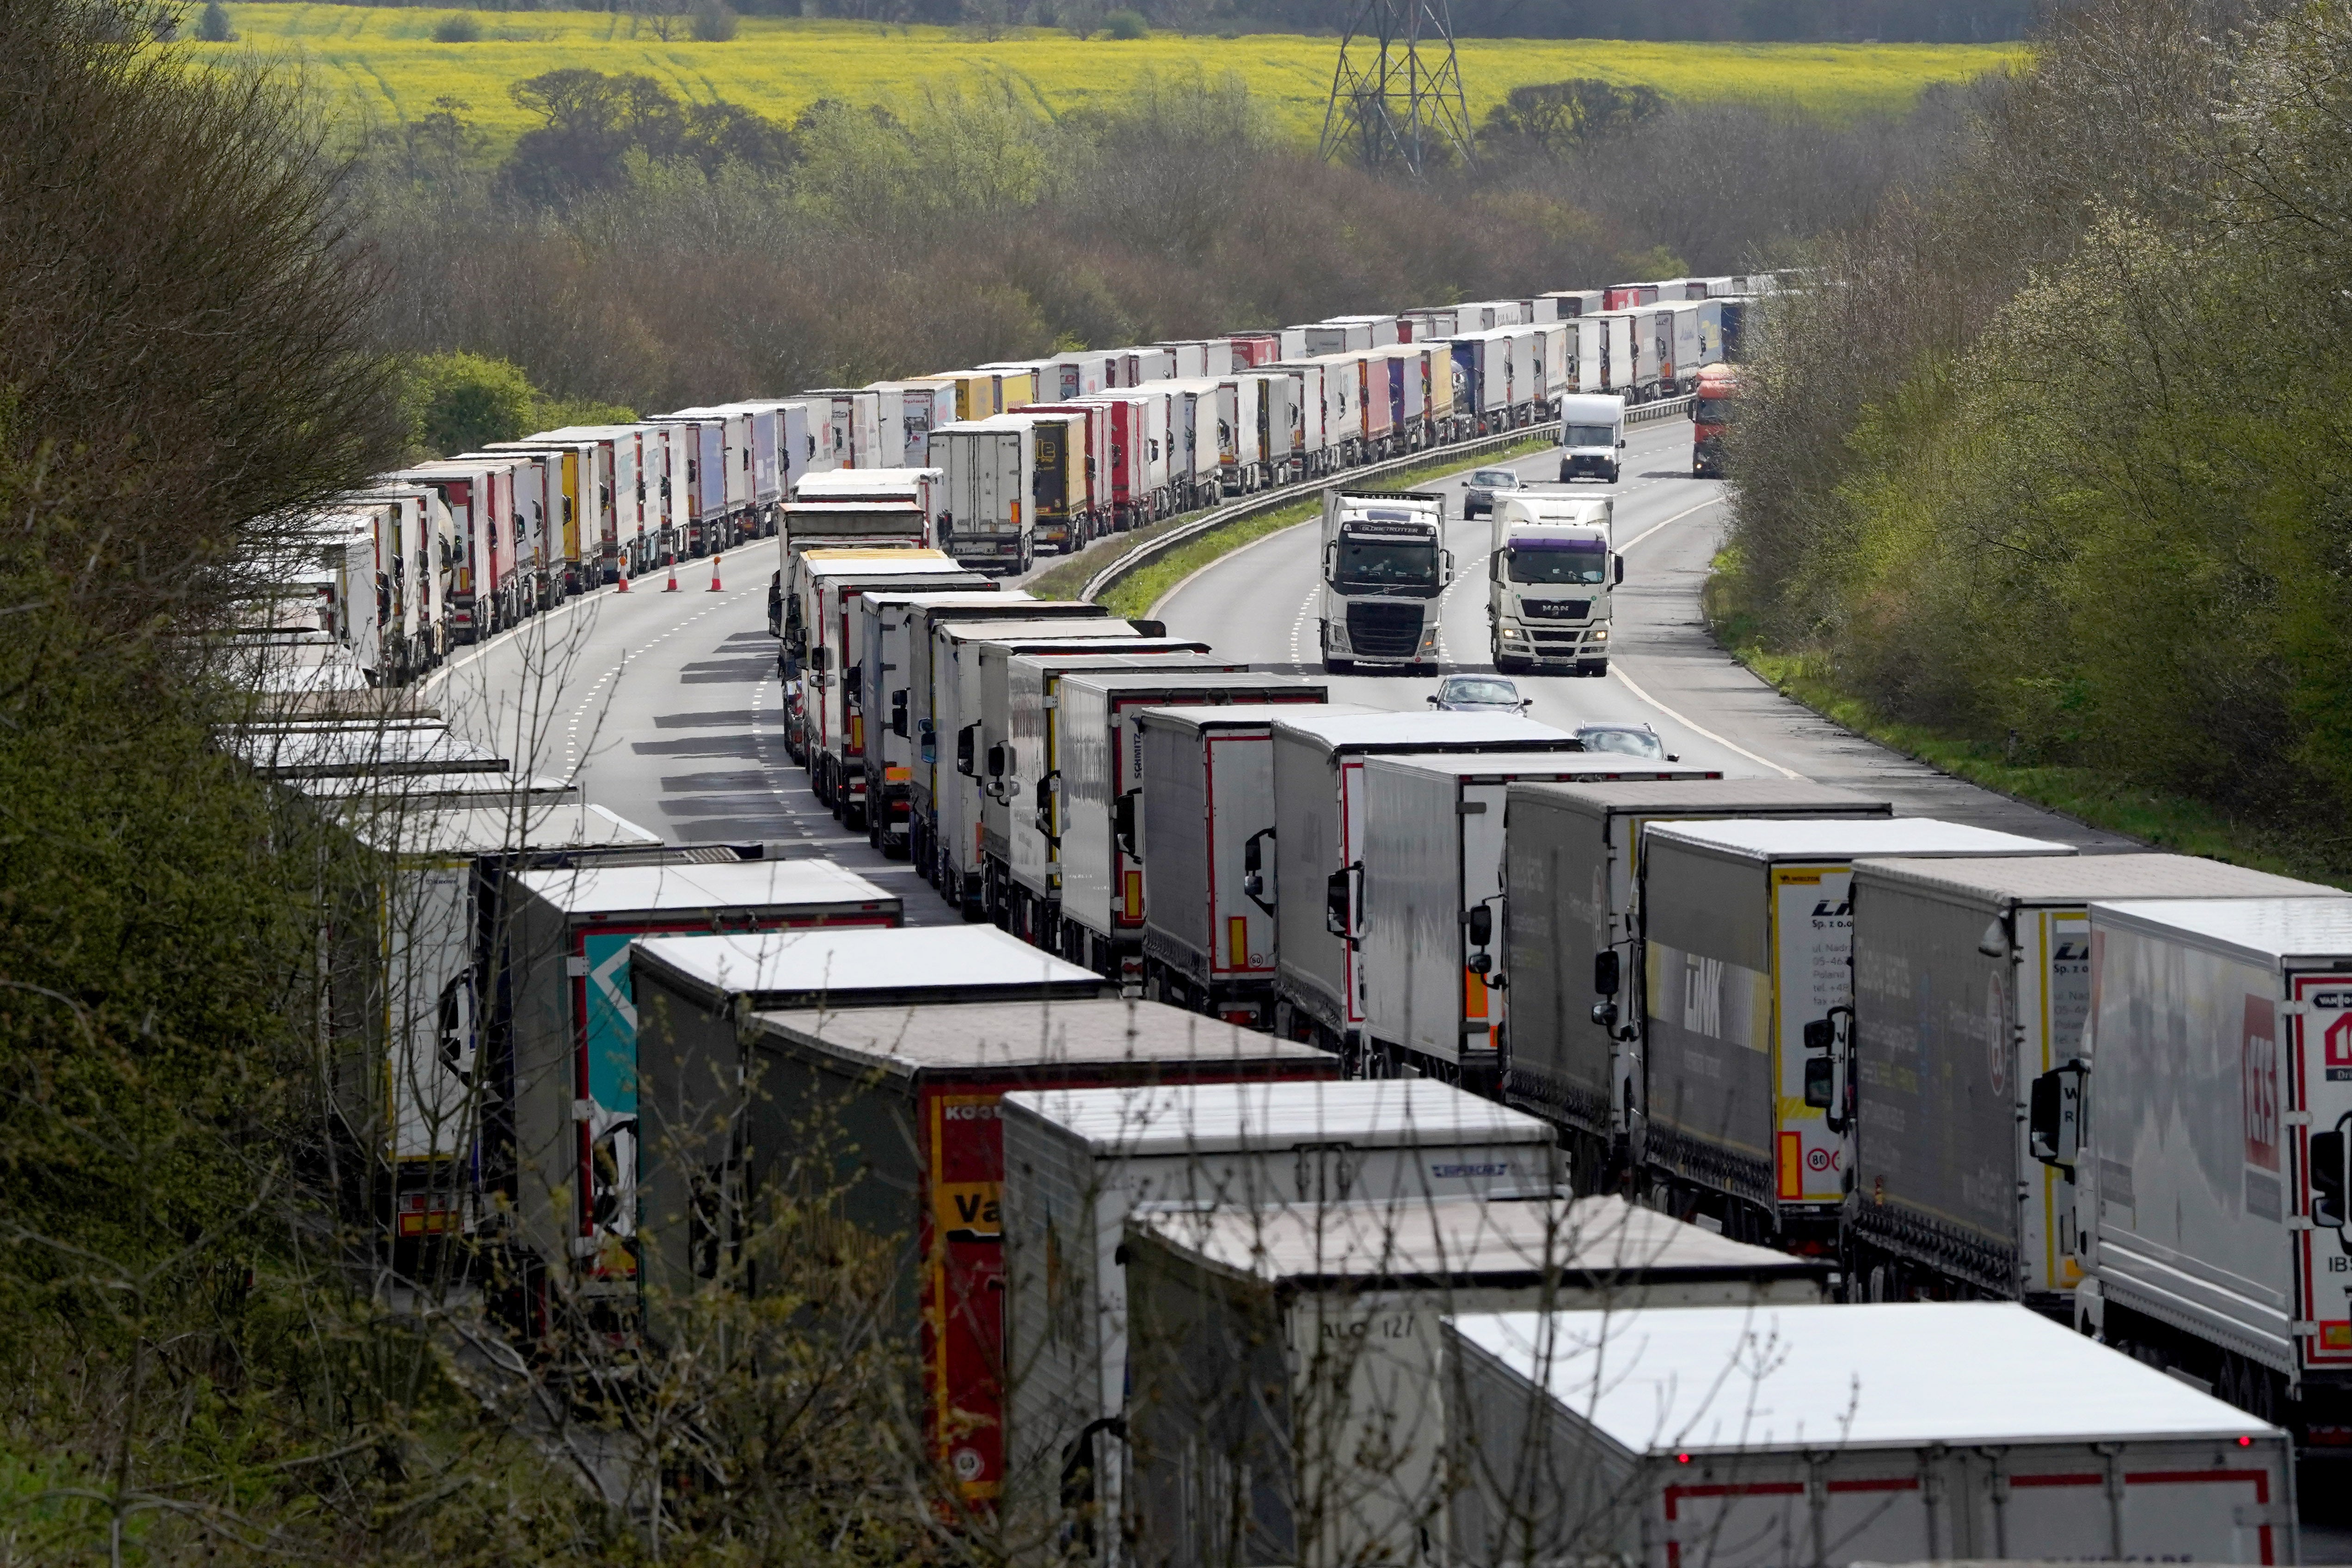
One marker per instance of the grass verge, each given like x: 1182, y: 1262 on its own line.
x: 2155, y: 816
x: 1135, y: 594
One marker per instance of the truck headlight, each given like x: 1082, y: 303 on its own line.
x: 1337, y: 635
x: 1602, y: 635
x: 1513, y: 633
x: 1428, y: 638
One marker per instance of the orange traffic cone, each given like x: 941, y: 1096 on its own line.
x: 622, y: 587
x: 673, y: 574
x: 714, y: 576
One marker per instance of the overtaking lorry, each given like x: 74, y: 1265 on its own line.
x: 1591, y: 436
x: 2210, y: 1136
x: 1972, y: 978
x: 1748, y: 1011
x: 1549, y: 575
x: 1384, y: 566
x: 1571, y: 908
x: 1713, y: 410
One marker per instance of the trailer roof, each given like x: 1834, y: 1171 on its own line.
x: 1727, y: 1379
x: 1458, y: 1239
x: 2043, y: 879
x: 847, y: 965
x: 1487, y: 766
x: 529, y: 825
x: 2270, y: 930
x: 1046, y: 629
x: 1192, y: 679
x: 1012, y: 599
x: 1648, y: 796
x: 1238, y: 715
x: 885, y: 563
x: 992, y: 1036
x: 1147, y: 654
x: 1371, y: 1113
x: 682, y: 887
x: 1845, y: 838
x: 1426, y: 732
x: 367, y: 749
x: 494, y: 791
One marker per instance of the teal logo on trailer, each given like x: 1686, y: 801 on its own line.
x: 612, y: 1027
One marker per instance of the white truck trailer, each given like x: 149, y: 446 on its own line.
x: 1591, y: 435
x: 1747, y: 1011
x: 1086, y: 825
x: 1337, y: 1310
x: 1573, y: 943
x: 1428, y: 913
x: 1077, y: 1162
x: 893, y: 638
x: 991, y: 513
x: 1972, y: 978
x: 1754, y: 1437
x: 2211, y: 1150
x: 1552, y: 566
x: 1384, y: 566
x: 1319, y: 848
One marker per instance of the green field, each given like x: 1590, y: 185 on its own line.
x: 384, y: 63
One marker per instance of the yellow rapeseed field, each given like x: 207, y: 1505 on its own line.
x: 383, y: 64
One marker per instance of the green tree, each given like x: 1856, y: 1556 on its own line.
x: 458, y: 402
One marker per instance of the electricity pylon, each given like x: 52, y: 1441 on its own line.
x: 1396, y: 93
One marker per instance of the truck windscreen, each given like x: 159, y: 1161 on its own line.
x: 1374, y: 564
x: 1588, y: 436
x: 1715, y: 411
x: 1559, y: 561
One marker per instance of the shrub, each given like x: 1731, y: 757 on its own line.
x: 213, y: 26
x: 714, y: 22
x: 1126, y: 25
x: 457, y: 27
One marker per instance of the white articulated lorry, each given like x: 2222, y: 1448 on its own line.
x: 989, y: 518
x: 1384, y: 566
x: 1553, y: 564
x: 2209, y: 1152
x: 1591, y: 436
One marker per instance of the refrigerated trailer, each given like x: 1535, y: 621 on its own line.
x: 1971, y: 979
x: 1425, y: 910
x: 1572, y: 943
x: 1747, y: 1011
x: 1101, y: 795
x: 990, y: 514
x: 1078, y: 1162
x: 1319, y: 819
x: 1759, y: 1436
x: 1307, y: 1337
x: 891, y: 1096
x: 893, y: 643
x: 2208, y: 1135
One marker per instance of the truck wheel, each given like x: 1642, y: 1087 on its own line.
x: 1506, y: 665
x: 853, y: 815
x: 1338, y: 666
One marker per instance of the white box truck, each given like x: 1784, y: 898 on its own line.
x: 1572, y: 943
x: 1549, y: 573
x: 893, y: 629
x: 1384, y: 566
x: 1755, y: 1438
x: 1078, y: 1162
x: 1101, y: 783
x: 1319, y: 848
x: 1591, y: 435
x: 2210, y: 1149
x: 1748, y: 1010
x: 1336, y: 1311
x: 1972, y: 978
x: 990, y: 482
x: 1427, y: 911
x: 1202, y: 835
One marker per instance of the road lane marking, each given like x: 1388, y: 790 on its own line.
x: 1617, y: 672
x: 1713, y: 500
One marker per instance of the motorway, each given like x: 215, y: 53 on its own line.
x: 1667, y: 672
x: 665, y: 707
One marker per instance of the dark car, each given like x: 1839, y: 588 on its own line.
x: 1625, y: 740
x: 1485, y: 485
x: 1477, y: 694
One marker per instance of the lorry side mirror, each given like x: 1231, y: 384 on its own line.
x: 1481, y: 921
x: 2331, y: 1182
x: 1123, y: 825
x: 1494, y: 566
x: 1335, y: 904
x: 1621, y: 569
x: 899, y: 714
x: 1257, y: 878
x: 1820, y: 1077
x: 2054, y: 1116
x: 819, y: 657
x: 1150, y: 628
x: 996, y: 761
x: 852, y: 683
x: 1605, y: 972
x: 963, y: 749
x: 1448, y: 557
x: 1820, y: 1034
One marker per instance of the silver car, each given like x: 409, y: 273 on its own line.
x: 1477, y: 694
x: 1625, y: 740
x: 1478, y: 496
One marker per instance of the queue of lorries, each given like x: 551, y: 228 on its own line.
x: 1264, y: 1183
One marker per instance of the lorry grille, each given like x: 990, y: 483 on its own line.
x: 1555, y: 609
x: 1385, y: 630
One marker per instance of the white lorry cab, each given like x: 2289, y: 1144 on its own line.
x: 1553, y: 565
x: 1384, y: 566
x: 1591, y: 436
